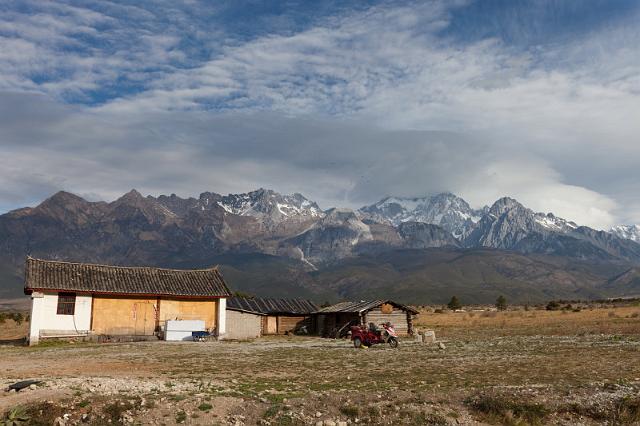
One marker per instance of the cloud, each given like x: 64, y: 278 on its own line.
x: 346, y: 109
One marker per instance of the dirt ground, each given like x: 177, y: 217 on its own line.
x: 515, y: 367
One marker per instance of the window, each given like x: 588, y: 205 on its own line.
x: 66, y: 303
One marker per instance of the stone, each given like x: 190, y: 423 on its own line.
x: 33, y: 387
x: 429, y: 336
x: 318, y: 414
x: 329, y: 423
x: 320, y: 423
x: 341, y: 423
x: 441, y: 346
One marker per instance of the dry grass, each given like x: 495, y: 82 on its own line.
x: 620, y: 320
x: 511, y: 367
x: 10, y: 331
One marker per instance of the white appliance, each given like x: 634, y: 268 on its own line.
x: 178, y: 330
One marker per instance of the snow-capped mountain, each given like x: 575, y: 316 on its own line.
x: 265, y: 203
x: 628, y: 232
x: 445, y: 210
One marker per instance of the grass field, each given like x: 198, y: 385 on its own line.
x: 514, y: 367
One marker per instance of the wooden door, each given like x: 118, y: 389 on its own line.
x: 272, y: 325
x: 144, y: 318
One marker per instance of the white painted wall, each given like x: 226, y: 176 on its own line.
x: 45, y: 319
x: 222, y: 317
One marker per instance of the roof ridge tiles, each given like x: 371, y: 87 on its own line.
x: 64, y: 262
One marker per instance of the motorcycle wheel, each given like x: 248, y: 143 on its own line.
x: 357, y: 343
x: 393, y: 342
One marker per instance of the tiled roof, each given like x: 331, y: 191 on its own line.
x: 83, y: 277
x: 361, y: 306
x: 271, y: 306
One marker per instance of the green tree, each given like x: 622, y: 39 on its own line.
x: 454, y: 304
x: 501, y: 303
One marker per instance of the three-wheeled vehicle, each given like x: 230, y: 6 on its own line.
x: 363, y: 336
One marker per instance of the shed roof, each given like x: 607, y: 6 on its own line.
x: 361, y: 306
x: 272, y: 306
x: 43, y: 275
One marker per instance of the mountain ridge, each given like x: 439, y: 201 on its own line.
x: 170, y: 230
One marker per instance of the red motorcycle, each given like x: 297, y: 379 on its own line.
x: 363, y: 336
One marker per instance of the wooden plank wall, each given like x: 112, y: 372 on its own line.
x: 138, y: 316
x: 290, y: 323
x: 123, y: 316
x: 397, y: 317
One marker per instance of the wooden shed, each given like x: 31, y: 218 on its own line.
x: 80, y: 299
x: 334, y: 320
x: 279, y: 316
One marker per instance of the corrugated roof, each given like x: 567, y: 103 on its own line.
x: 104, y: 279
x: 361, y: 306
x: 271, y: 306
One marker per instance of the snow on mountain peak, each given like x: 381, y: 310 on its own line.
x: 446, y: 210
x: 267, y: 203
x: 629, y: 232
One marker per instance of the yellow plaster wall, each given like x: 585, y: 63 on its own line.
x: 190, y: 310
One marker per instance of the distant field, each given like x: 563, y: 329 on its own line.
x: 608, y: 320
x: 515, y: 367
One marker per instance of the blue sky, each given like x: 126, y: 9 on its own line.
x: 343, y: 101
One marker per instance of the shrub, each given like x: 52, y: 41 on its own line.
x: 501, y: 303
x: 18, y: 318
x: 3, y: 317
x: 454, y: 304
x: 506, y: 410
x: 16, y: 417
x: 350, y: 410
x: 553, y: 306
x: 205, y: 407
x: 438, y: 311
x: 181, y: 416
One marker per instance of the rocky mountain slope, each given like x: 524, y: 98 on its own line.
x: 291, y: 234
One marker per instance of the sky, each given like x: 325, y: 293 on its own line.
x: 343, y: 101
